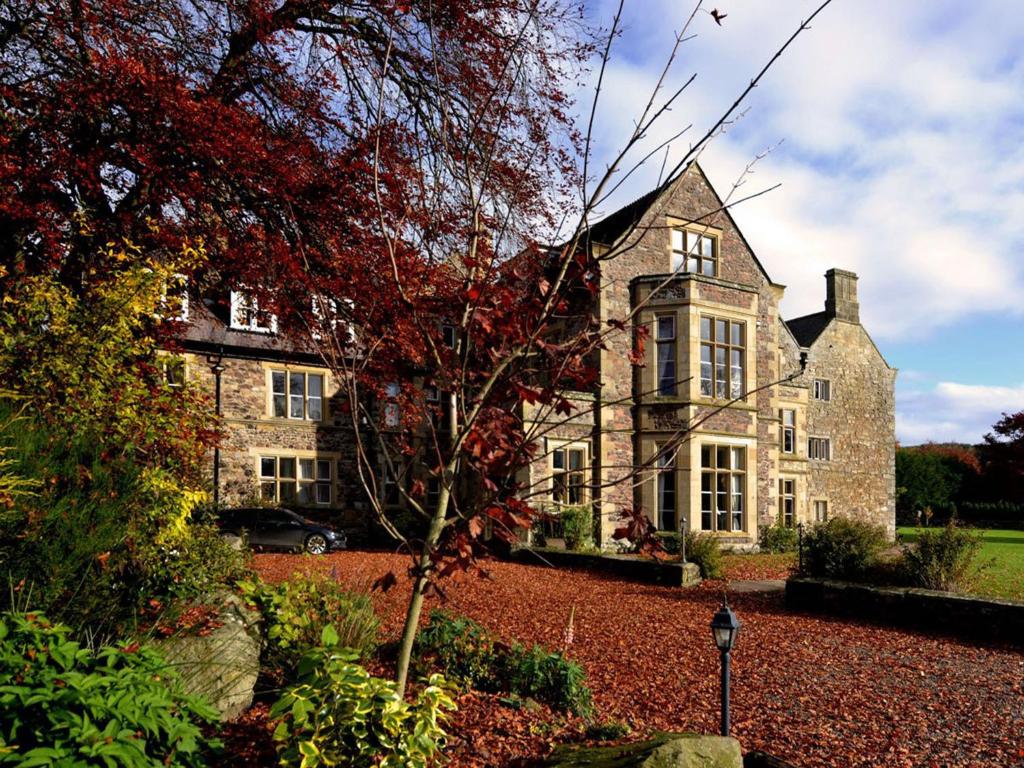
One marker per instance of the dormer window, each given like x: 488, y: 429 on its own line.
x: 174, y: 299
x: 694, y: 252
x: 246, y: 314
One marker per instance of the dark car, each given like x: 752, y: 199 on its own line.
x: 278, y: 528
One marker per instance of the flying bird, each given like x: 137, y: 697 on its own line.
x: 717, y: 15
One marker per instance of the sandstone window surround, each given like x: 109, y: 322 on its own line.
x: 567, y: 465
x: 787, y: 501
x: 246, y: 314
x: 723, y: 353
x: 819, y: 448
x: 787, y: 438
x: 666, y: 354
x: 668, y: 515
x: 694, y: 250
x: 295, y: 479
x: 439, y: 409
x: 821, y: 389
x: 723, y: 487
x: 296, y: 394
x: 820, y: 511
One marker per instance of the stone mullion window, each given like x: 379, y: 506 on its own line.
x: 722, y: 358
x: 668, y: 518
x: 297, y: 395
x: 694, y: 252
x: 568, y: 475
x: 723, y: 483
x: 821, y: 389
x: 665, y: 349
x: 788, y: 436
x: 821, y: 511
x: 819, y: 448
x: 296, y: 480
x: 787, y: 502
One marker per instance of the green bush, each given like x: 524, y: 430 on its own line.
x: 703, y: 549
x: 338, y: 714
x: 62, y: 704
x: 473, y: 656
x: 577, y: 527
x: 843, y: 548
x: 778, y: 539
x: 942, y: 558
x: 607, y: 730
x: 546, y: 676
x: 462, y: 648
x: 297, y: 611
x: 192, y: 563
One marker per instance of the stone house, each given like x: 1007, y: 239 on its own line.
x: 767, y: 420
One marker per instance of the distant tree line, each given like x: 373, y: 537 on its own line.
x: 973, y: 482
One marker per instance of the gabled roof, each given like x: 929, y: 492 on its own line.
x: 618, y: 223
x: 808, y: 328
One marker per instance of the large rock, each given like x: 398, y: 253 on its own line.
x: 665, y: 750
x: 223, y: 666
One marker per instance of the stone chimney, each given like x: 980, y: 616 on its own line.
x: 841, y: 295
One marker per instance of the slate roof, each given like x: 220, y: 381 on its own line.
x: 808, y: 328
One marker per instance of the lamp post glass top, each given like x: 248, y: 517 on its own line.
x: 724, y: 627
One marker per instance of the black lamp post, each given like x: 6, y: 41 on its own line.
x: 216, y: 368
x: 724, y: 628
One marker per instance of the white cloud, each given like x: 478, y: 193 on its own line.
x: 903, y: 156
x: 953, y: 412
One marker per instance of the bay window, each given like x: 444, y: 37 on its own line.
x: 722, y: 358
x: 722, y: 487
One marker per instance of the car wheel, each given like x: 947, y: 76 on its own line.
x: 316, y: 544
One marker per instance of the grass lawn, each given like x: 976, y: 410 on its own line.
x: 1002, y: 558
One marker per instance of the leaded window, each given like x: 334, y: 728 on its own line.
x: 723, y: 487
x: 722, y: 358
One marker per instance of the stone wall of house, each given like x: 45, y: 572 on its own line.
x: 859, y: 419
x: 249, y: 430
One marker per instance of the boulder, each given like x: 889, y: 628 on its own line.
x: 665, y: 750
x: 223, y: 666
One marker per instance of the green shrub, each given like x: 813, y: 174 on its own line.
x: 192, y: 562
x: 778, y: 539
x: 62, y: 704
x: 473, y: 656
x: 843, y: 548
x: 297, y: 611
x: 338, y: 714
x: 942, y: 558
x: 703, y: 549
x: 577, y: 527
x: 466, y: 651
x: 546, y: 676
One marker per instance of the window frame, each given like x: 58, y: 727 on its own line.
x: 821, y: 390
x: 787, y: 430
x: 680, y: 257
x: 712, y: 491
x: 289, y: 396
x: 787, y: 498
x: 669, y: 345
x: 730, y: 349
x: 241, y: 300
x: 819, y: 448
x: 313, y: 484
x: 666, y: 465
x: 818, y: 506
x: 568, y: 488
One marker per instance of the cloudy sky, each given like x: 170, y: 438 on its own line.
x: 897, y: 135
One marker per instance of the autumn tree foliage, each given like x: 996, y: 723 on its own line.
x: 1003, y: 451
x: 400, y: 182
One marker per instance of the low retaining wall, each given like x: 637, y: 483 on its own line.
x: 974, y: 618
x: 641, y: 569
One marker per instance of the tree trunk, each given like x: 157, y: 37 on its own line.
x: 415, y: 609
